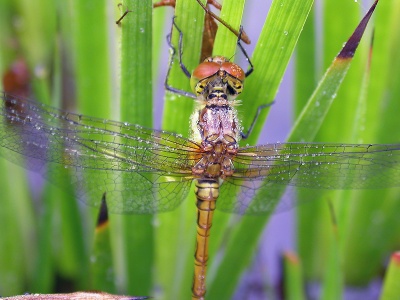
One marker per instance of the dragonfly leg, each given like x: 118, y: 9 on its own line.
x: 249, y: 71
x: 180, y: 48
x: 127, y: 11
x: 259, y: 109
x: 183, y: 67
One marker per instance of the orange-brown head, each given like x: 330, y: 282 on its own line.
x: 217, y: 71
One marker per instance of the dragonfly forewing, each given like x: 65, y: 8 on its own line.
x: 156, y: 164
x: 323, y: 166
x: 263, y: 172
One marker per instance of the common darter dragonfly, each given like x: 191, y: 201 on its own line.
x: 146, y: 171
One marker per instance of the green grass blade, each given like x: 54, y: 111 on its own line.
x: 225, y: 41
x: 362, y: 258
x: 15, y: 263
x: 36, y: 37
x: 361, y: 119
x: 37, y: 41
x: 101, y: 264
x: 313, y: 114
x: 225, y: 45
x: 16, y: 215
x: 333, y: 280
x: 391, y: 282
x: 91, y: 60
x: 176, y: 231
x: 293, y: 277
x: 271, y: 56
x: 177, y: 109
x: 310, y: 234
x: 91, y: 52
x: 136, y: 107
x: 305, y: 63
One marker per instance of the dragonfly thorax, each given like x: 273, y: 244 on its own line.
x: 218, y: 123
x: 218, y: 133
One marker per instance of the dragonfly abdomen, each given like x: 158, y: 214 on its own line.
x: 207, y: 192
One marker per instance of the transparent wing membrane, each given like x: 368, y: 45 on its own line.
x: 145, y: 171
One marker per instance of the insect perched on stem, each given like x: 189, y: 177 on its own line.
x: 145, y: 171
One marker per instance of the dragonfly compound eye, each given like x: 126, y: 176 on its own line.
x: 203, y: 71
x: 234, y: 70
x: 212, y: 69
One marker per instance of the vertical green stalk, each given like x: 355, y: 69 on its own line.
x: 337, y: 27
x: 391, y: 283
x: 293, y: 284
x: 176, y: 232
x: 374, y: 215
x: 16, y: 215
x: 271, y: 56
x: 90, y: 47
x: 136, y: 107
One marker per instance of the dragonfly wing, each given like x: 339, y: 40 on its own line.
x: 139, y: 193
x: 48, y: 134
x: 262, y: 172
x: 45, y: 140
x: 322, y: 166
x: 249, y: 196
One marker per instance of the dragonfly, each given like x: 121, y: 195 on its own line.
x: 146, y: 171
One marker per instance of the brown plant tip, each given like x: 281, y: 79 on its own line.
x: 351, y: 45
x: 291, y: 257
x: 103, y: 212
x: 396, y: 258
x: 16, y: 80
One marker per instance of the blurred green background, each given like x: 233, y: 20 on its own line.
x: 78, y: 59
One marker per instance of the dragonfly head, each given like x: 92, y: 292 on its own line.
x: 217, y: 74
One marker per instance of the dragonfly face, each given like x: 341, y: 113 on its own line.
x: 217, y: 70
